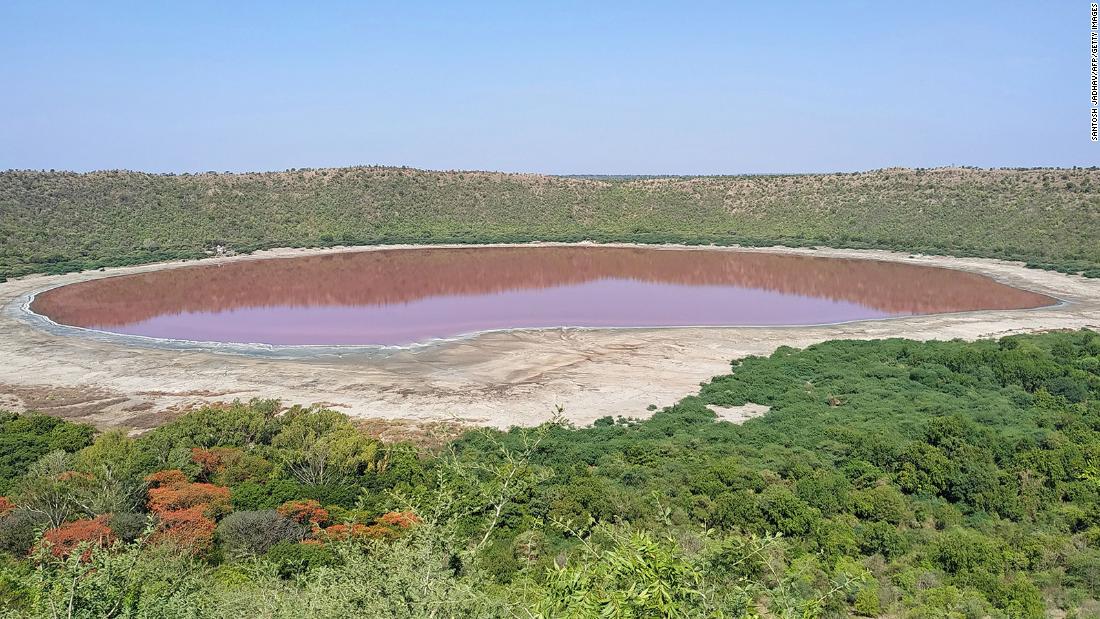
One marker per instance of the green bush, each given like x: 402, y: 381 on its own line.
x: 19, y: 531
x: 295, y: 558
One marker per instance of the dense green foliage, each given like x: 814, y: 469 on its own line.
x: 23, y: 440
x: 58, y: 221
x: 890, y: 478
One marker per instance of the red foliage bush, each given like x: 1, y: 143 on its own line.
x: 386, y: 526
x: 304, y: 511
x: 188, y: 529
x: 6, y: 506
x: 336, y: 532
x: 400, y: 520
x: 64, y: 539
x: 170, y: 477
x: 185, y: 511
x: 340, y: 532
x: 213, y: 499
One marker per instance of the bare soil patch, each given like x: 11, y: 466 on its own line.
x: 739, y: 414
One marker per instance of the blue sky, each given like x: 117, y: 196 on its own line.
x: 561, y: 87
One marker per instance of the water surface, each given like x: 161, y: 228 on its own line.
x: 404, y: 296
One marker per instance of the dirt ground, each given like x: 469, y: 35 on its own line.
x: 498, y: 379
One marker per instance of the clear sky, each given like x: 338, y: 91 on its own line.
x: 562, y: 87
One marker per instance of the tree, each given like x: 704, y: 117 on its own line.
x: 320, y: 446
x: 46, y: 490
x: 25, y: 439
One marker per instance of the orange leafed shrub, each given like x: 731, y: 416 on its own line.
x: 6, y: 506
x: 304, y: 511
x: 185, y: 510
x: 170, y: 477
x: 64, y: 539
x: 400, y: 520
x: 189, y: 529
x: 386, y: 526
x: 337, y: 531
x: 214, y: 499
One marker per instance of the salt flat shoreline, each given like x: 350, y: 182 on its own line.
x: 497, y: 378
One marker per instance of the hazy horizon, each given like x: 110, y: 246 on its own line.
x: 527, y: 172
x: 570, y: 89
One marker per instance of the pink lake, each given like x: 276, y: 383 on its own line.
x: 406, y: 296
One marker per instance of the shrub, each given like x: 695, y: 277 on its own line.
x: 968, y: 552
x: 167, y: 478
x: 254, y: 533
x: 128, y: 527
x: 786, y: 512
x: 880, y: 503
x: 355, y: 531
x: 230, y: 465
x: 212, y: 461
x: 304, y: 511
x: 19, y: 530
x: 398, y: 520
x: 63, y: 540
x: 177, y: 495
x: 867, y: 602
x: 188, y: 529
x: 291, y: 558
x: 882, y: 538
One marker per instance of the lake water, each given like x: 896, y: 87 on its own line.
x: 404, y: 296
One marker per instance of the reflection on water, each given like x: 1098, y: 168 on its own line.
x: 403, y: 296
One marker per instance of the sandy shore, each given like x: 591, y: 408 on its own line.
x: 500, y: 379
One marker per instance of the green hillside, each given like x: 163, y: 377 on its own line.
x: 61, y: 221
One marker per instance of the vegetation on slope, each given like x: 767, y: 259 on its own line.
x: 890, y: 478
x: 57, y: 221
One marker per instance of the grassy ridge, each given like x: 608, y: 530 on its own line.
x: 60, y: 221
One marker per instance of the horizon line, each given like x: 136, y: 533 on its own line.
x: 581, y: 175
